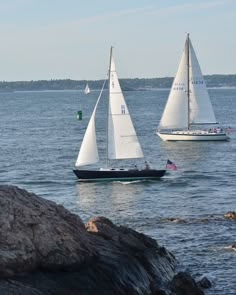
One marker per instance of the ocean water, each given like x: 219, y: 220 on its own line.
x: 40, y: 140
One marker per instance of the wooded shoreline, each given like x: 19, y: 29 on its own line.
x: 126, y: 84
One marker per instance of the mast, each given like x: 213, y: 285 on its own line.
x: 108, y: 105
x: 188, y: 91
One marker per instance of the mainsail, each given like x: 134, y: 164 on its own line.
x: 122, y: 139
x: 201, y: 110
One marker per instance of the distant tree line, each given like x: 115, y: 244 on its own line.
x: 126, y: 84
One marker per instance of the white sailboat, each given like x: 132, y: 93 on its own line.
x: 189, y: 104
x: 122, y: 141
x: 87, y: 89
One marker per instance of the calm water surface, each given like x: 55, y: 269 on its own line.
x: 40, y: 139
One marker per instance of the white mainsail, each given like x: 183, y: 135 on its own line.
x: 201, y: 110
x: 88, y: 153
x: 122, y: 139
x: 180, y: 110
x: 87, y: 89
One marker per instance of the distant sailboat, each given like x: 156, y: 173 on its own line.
x: 121, y: 142
x: 87, y: 89
x: 189, y: 104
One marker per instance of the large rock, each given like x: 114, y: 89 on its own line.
x: 36, y: 233
x: 44, y: 249
x: 184, y: 284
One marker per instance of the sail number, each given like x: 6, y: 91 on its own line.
x: 197, y: 81
x: 179, y: 86
x: 122, y: 109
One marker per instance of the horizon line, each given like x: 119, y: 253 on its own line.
x: 96, y: 80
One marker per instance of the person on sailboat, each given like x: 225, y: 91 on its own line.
x: 147, y: 166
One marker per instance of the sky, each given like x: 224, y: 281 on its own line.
x: 71, y: 39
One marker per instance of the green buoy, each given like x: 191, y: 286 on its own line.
x: 79, y: 115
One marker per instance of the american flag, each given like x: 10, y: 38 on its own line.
x: 170, y: 165
x: 229, y: 129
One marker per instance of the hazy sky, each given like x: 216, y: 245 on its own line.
x: 71, y: 39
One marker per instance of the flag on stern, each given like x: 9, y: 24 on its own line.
x: 229, y: 129
x: 170, y: 165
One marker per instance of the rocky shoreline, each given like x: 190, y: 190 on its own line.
x: 45, y: 249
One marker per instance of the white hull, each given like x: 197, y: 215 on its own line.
x: 193, y: 135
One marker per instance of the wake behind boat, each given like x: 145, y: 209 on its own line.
x: 189, y: 105
x: 122, y: 141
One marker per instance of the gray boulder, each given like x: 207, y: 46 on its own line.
x: 45, y: 249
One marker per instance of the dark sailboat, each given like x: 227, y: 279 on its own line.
x: 122, y: 141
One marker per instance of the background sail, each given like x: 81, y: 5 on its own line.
x: 201, y: 110
x: 175, y: 113
x: 122, y: 139
x: 87, y: 89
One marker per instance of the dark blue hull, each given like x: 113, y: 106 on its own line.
x: 118, y: 174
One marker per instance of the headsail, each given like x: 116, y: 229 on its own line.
x: 175, y: 114
x: 122, y: 139
x: 88, y: 153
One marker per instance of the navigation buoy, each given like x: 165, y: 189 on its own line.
x: 79, y: 115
